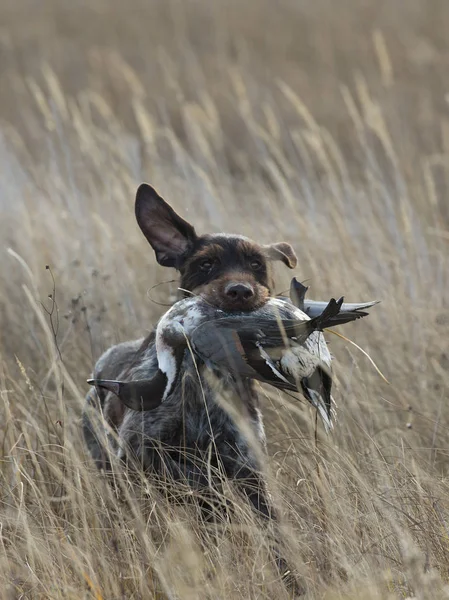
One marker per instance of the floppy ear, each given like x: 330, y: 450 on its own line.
x: 169, y: 235
x: 284, y: 252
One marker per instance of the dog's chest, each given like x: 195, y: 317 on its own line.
x: 194, y: 420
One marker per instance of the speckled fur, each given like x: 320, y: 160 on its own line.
x: 190, y: 434
x: 188, y: 437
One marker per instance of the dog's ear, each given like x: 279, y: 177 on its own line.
x: 284, y: 252
x: 168, y: 234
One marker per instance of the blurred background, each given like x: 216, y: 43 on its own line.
x: 324, y: 124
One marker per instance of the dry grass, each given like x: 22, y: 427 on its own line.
x: 326, y: 127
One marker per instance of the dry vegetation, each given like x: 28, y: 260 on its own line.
x: 325, y: 124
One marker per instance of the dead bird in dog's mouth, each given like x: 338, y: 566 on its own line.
x: 279, y: 344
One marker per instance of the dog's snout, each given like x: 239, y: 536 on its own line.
x: 234, y: 294
x: 239, y: 291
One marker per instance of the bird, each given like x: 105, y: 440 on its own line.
x: 281, y: 344
x: 277, y: 344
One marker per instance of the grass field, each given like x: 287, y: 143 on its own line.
x: 322, y: 124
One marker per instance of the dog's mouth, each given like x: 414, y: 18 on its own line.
x: 238, y: 297
x: 240, y: 306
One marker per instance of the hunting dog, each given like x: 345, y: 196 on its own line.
x: 190, y: 436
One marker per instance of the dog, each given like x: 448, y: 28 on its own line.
x: 190, y: 437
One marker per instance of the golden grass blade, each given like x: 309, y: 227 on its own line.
x: 343, y: 337
x: 95, y: 589
x: 185, y: 96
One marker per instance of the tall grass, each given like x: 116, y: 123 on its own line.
x: 325, y: 127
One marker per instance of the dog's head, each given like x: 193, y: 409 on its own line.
x: 231, y: 272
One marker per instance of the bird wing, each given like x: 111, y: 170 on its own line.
x: 242, y: 351
x: 259, y: 352
x: 254, y: 352
x: 235, y: 343
x: 220, y: 346
x: 272, y: 330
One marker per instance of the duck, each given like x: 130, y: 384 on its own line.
x: 281, y: 344
x: 278, y: 345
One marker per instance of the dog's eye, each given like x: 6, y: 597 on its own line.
x: 206, y: 265
x: 256, y: 265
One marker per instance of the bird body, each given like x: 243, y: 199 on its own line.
x: 279, y: 344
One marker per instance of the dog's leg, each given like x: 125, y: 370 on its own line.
x: 94, y: 432
x: 252, y: 486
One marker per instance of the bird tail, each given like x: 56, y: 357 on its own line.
x: 329, y: 316
x: 334, y: 314
x: 314, y: 308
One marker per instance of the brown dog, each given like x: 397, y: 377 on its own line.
x: 188, y: 436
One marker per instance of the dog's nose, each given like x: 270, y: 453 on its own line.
x: 239, y: 291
